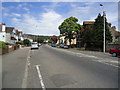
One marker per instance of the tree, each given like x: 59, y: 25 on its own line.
x: 49, y: 41
x: 68, y: 26
x: 87, y: 37
x: 98, y: 28
x: 95, y: 35
x: 26, y: 42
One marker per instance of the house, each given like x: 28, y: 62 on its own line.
x: 6, y: 34
x: 19, y: 36
x: 10, y: 35
x: 87, y: 25
x: 27, y: 36
x: 63, y: 40
x: 54, y: 38
x: 2, y: 32
x: 115, y: 34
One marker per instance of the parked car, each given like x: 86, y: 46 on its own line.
x: 34, y: 45
x: 115, y: 52
x: 61, y: 46
x: 39, y: 44
x: 53, y: 45
x: 66, y: 47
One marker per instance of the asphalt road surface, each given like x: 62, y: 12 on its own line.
x: 51, y: 67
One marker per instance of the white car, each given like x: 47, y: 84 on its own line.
x: 34, y: 45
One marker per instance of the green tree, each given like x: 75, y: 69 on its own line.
x: 26, y: 42
x: 95, y: 36
x: 50, y: 41
x: 87, y: 37
x: 98, y: 28
x: 68, y: 26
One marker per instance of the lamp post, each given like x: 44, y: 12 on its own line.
x: 104, y: 41
x: 104, y: 44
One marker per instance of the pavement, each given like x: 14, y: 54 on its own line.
x: 51, y: 67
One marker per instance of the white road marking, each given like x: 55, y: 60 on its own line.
x: 40, y: 77
x: 24, y: 82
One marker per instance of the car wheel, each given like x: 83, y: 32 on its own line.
x: 114, y: 54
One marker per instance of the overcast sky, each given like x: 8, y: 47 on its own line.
x: 43, y: 18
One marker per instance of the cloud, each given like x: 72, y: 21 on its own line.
x: 6, y: 14
x: 46, y: 24
x: 15, y: 20
x: 82, y: 11
x: 16, y: 15
x: 26, y: 9
x: 89, y: 11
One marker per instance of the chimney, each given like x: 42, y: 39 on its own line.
x: 109, y: 24
x: 3, y: 27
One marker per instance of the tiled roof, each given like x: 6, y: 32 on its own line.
x: 18, y: 32
x: 88, y: 22
x: 9, y: 29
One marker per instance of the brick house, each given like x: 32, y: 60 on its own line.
x: 87, y: 25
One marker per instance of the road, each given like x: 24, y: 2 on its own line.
x: 51, y: 67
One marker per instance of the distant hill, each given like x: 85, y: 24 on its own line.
x: 39, y: 36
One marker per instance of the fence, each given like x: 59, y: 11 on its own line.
x: 8, y: 49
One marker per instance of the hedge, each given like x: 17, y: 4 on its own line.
x: 2, y: 44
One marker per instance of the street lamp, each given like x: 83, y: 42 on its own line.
x: 104, y: 41
x: 104, y: 48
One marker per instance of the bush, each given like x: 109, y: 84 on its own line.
x: 27, y: 42
x: 19, y: 43
x: 2, y: 44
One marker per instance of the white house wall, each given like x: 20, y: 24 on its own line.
x: 2, y: 36
x: 8, y: 37
x: 73, y: 41
x: 3, y: 28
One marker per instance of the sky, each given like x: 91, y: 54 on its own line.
x: 43, y: 18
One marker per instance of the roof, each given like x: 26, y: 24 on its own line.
x: 0, y: 28
x: 9, y: 29
x: 2, y: 24
x: 88, y: 22
x: 18, y: 32
x: 27, y: 35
